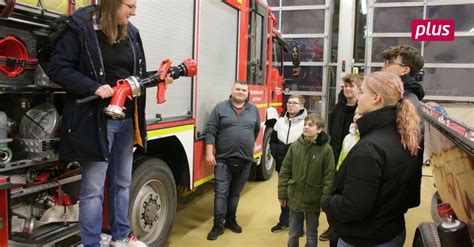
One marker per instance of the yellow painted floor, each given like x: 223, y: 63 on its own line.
x: 258, y: 211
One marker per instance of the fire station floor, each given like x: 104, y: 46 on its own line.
x: 258, y: 211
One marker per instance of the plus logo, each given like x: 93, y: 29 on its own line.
x: 432, y: 30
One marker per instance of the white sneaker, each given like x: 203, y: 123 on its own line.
x: 130, y: 241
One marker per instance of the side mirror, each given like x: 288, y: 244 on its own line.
x: 295, y: 58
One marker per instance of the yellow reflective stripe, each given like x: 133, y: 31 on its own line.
x: 271, y: 104
x: 257, y: 155
x: 167, y: 131
x: 203, y: 180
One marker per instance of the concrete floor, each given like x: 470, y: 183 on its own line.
x: 258, y: 211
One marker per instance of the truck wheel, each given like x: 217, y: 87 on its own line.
x: 267, y: 164
x: 426, y: 235
x: 152, y: 201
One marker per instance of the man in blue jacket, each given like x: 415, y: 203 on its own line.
x: 232, y: 129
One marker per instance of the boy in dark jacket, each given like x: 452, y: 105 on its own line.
x: 406, y: 62
x: 339, y: 120
x: 306, y: 178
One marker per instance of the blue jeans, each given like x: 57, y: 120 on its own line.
x: 296, y: 228
x: 227, y: 187
x: 118, y: 171
x: 398, y: 241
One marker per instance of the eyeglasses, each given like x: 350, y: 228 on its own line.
x: 388, y: 62
x: 293, y: 103
x: 130, y: 6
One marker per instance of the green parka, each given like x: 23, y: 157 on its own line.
x: 307, y: 174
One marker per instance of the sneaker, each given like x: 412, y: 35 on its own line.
x: 279, y: 228
x: 233, y: 226
x: 130, y: 241
x: 324, y: 236
x: 215, y: 232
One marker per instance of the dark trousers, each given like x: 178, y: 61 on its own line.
x: 333, y: 238
x: 284, y: 219
x: 284, y: 216
x: 229, y: 182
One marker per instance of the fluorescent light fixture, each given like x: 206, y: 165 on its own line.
x: 363, y: 7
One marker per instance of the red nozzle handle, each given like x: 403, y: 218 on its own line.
x: 162, y: 73
x: 164, y: 67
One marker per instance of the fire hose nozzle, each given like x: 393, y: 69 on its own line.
x: 129, y: 87
x: 132, y: 86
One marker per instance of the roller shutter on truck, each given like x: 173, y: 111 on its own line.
x: 167, y: 31
x: 217, y: 56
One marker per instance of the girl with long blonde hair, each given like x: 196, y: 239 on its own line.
x: 377, y: 177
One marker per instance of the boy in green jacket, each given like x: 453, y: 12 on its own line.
x: 306, y: 178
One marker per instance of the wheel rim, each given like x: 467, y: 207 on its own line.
x: 268, y: 157
x: 149, y: 211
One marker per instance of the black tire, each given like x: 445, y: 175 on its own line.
x: 152, y: 201
x: 267, y: 164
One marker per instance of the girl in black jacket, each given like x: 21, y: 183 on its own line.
x: 376, y: 179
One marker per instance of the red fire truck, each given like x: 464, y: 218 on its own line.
x: 229, y: 39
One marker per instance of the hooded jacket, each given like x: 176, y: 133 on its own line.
x: 307, y: 174
x: 285, y: 131
x: 414, y: 93
x: 374, y: 186
x: 336, y: 120
x: 76, y: 64
x: 349, y: 142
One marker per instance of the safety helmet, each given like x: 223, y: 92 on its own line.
x: 14, y: 57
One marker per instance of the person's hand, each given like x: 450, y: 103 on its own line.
x: 211, y: 160
x: 104, y: 91
x: 283, y: 203
x: 168, y: 80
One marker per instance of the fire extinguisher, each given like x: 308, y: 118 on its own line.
x: 451, y: 231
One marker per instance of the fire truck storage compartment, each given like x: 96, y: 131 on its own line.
x: 42, y: 193
x: 217, y: 56
x: 27, y: 76
x: 179, y: 16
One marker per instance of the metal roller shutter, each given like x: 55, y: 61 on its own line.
x: 166, y: 28
x: 217, y: 56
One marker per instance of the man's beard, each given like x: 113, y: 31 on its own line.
x: 238, y: 100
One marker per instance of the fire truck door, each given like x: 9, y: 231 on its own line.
x: 257, y: 45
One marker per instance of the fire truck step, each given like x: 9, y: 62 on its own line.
x: 48, y: 235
